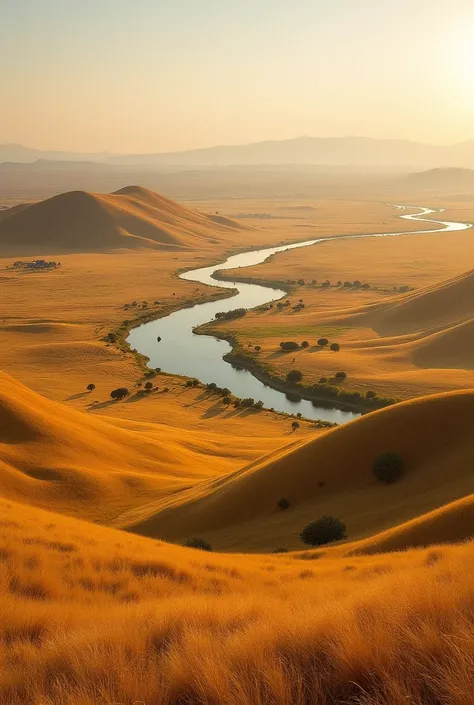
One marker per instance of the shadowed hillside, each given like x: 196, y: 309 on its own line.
x: 132, y: 217
x: 332, y: 474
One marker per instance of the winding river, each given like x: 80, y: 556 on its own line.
x: 182, y: 352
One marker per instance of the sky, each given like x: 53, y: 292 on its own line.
x: 163, y: 75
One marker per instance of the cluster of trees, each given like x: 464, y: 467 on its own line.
x: 229, y: 315
x: 291, y: 345
x: 191, y: 383
x: 248, y: 403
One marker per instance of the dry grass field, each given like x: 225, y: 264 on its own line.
x: 92, y: 615
x: 101, y: 603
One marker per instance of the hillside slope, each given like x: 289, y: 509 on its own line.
x: 94, y: 467
x: 90, y: 614
x: 132, y: 217
x: 332, y: 474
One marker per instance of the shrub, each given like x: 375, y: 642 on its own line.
x: 195, y: 382
x: 340, y: 375
x: 149, y: 385
x: 212, y: 386
x: 388, y: 467
x: 90, y: 387
x: 300, y: 282
x: 294, y: 376
x: 119, y: 393
x: 202, y: 544
x: 226, y: 401
x: 335, y: 347
x: 370, y: 395
x: 323, y: 380
x: 295, y: 425
x: 258, y: 405
x: 236, y: 403
x: 257, y: 348
x: 322, y: 342
x: 247, y: 402
x: 326, y: 284
x: 225, y: 391
x: 289, y: 346
x: 283, y: 504
x: 323, y: 530
x: 305, y: 344
x: 189, y: 383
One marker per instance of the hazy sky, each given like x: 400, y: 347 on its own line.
x: 158, y: 75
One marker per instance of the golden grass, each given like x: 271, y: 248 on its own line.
x: 92, y: 615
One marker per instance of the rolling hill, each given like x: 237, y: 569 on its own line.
x: 94, y: 467
x: 331, y: 475
x: 132, y: 217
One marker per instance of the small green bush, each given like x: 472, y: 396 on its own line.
x: 323, y: 530
x: 388, y: 467
x: 294, y: 376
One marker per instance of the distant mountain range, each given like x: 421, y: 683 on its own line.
x: 341, y: 151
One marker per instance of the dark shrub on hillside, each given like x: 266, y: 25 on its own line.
x: 295, y: 425
x: 90, y: 387
x: 388, y: 467
x: 294, y: 376
x: 340, y: 375
x: 202, y: 544
x: 149, y: 385
x: 305, y: 344
x: 258, y: 405
x: 371, y: 395
x: 212, y: 386
x: 195, y: 382
x: 225, y: 391
x: 335, y: 347
x: 119, y: 393
x: 283, y: 503
x: 289, y: 346
x: 226, y: 401
x: 280, y: 550
x: 323, y: 530
x: 323, y: 380
x: 322, y: 342
x: 257, y: 348
x: 189, y: 383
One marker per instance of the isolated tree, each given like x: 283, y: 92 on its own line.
x: 388, y: 467
x: 335, y: 347
x: 202, y: 544
x: 295, y: 425
x: 283, y: 504
x: 294, y: 376
x: 305, y: 344
x: 323, y: 530
x: 90, y: 387
x: 119, y: 393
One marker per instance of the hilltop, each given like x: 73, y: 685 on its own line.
x: 131, y: 218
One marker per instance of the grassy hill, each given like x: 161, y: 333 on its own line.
x: 332, y: 474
